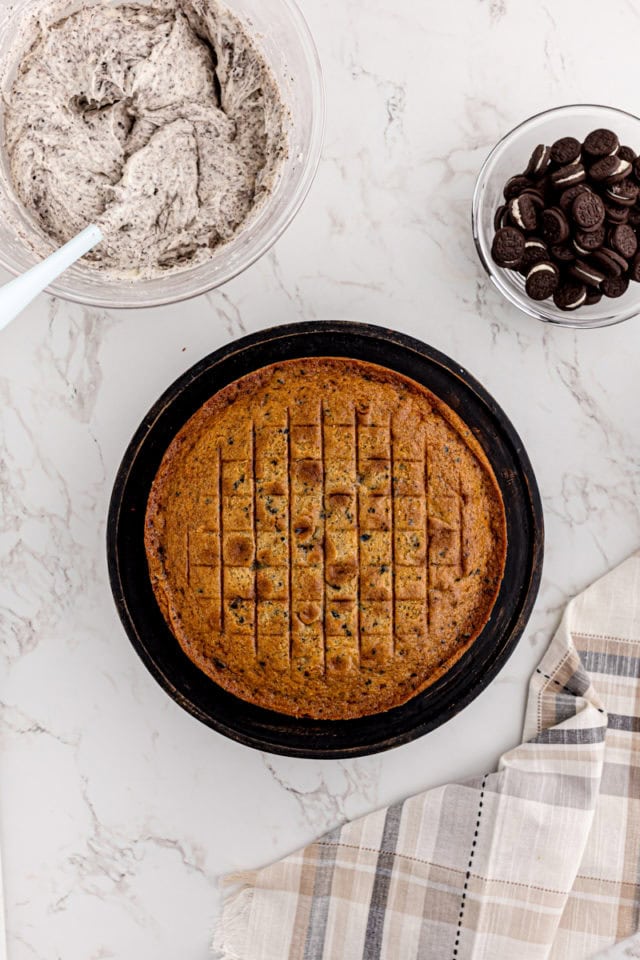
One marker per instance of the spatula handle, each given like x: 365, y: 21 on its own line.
x: 18, y: 293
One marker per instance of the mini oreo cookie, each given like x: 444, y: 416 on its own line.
x: 568, y: 176
x: 624, y: 193
x: 586, y: 273
x: 515, y: 185
x: 570, y: 223
x: 565, y: 151
x: 523, y: 212
x: 538, y: 162
x: 610, y: 262
x: 579, y: 250
x: 542, y: 280
x: 586, y: 241
x: 588, y: 211
x: 570, y: 295
x: 508, y: 247
x: 501, y: 217
x: 536, y: 196
x: 600, y: 143
x: 623, y: 240
x: 555, y: 226
x: 615, y: 286
x: 609, y: 170
x: 535, y: 250
x: 615, y: 213
x: 634, y: 268
x: 568, y: 196
x: 627, y: 153
x: 562, y: 252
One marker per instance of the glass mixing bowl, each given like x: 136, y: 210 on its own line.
x: 281, y: 32
x: 510, y: 156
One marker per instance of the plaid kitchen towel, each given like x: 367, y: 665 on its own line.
x: 538, y: 860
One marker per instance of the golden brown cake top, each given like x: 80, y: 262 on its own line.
x: 325, y: 538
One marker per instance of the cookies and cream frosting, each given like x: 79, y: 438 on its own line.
x: 163, y: 124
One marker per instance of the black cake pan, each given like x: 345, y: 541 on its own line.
x: 264, y: 729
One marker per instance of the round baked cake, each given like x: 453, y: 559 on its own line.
x: 325, y: 538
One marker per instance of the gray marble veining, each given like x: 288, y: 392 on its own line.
x: 118, y: 812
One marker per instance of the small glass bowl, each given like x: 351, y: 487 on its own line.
x: 510, y: 156
x: 281, y: 33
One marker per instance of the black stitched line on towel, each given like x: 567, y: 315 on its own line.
x: 469, y: 865
x: 562, y: 686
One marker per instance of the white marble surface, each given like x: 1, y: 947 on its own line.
x: 118, y: 812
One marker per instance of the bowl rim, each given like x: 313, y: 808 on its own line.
x: 273, y: 732
x: 311, y: 164
x: 495, y: 273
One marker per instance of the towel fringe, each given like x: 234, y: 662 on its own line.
x: 231, y: 930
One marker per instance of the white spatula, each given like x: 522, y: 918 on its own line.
x: 18, y: 293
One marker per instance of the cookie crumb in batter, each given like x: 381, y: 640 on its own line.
x: 163, y: 124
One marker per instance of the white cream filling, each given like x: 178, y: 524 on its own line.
x: 570, y: 177
x: 515, y: 213
x: 586, y: 275
x: 546, y: 267
x: 577, y: 303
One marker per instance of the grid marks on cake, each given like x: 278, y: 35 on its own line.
x: 219, y: 485
x: 358, y: 567
x: 323, y: 546
x: 255, y: 537
x: 376, y: 534
x: 409, y: 535
x: 425, y: 477
x: 323, y: 501
x: 272, y: 602
x: 307, y: 535
x: 393, y: 541
x: 290, y: 536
